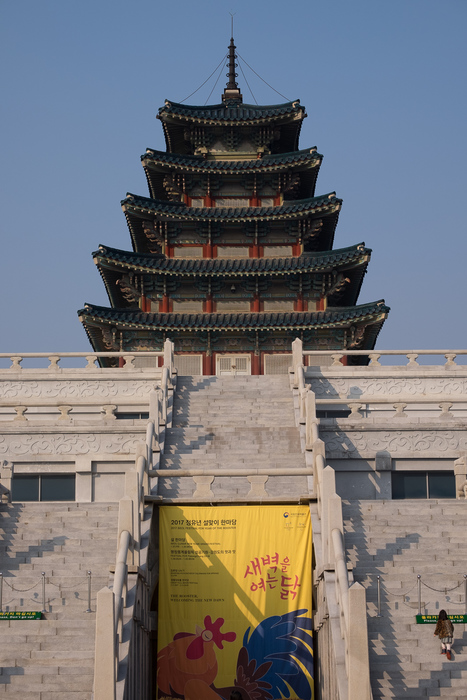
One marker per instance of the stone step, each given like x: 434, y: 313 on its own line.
x: 51, y: 658
x: 46, y: 683
x: 51, y: 522
x: 241, y: 421
x: 231, y: 457
x: 260, y: 402
x: 448, y: 525
x: 50, y: 695
x: 65, y: 541
x: 212, y: 409
x: 238, y: 438
x: 399, y: 541
x: 243, y: 449
x: 235, y: 398
x: 425, y: 683
x: 75, y: 550
x: 412, y: 693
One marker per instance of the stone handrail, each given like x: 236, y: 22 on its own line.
x: 350, y: 599
x: 111, y: 647
x: 424, y: 407
x: 91, y: 358
x: 204, y: 478
x: 367, y: 399
x: 412, y: 355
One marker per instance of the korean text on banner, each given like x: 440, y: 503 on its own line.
x: 235, y: 603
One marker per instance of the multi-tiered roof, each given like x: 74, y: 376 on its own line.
x: 232, y: 250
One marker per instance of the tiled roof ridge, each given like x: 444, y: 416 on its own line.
x: 160, y: 262
x: 332, y: 315
x: 270, y: 160
x: 231, y: 111
x: 180, y: 209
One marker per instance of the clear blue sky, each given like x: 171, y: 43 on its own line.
x: 384, y: 84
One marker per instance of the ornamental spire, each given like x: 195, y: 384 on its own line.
x: 232, y: 91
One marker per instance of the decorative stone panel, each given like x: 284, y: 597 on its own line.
x: 426, y: 444
x: 79, y: 389
x: 16, y: 445
x: 356, y: 387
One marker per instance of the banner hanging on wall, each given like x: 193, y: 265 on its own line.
x: 235, y: 603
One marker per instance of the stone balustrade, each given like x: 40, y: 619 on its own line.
x: 128, y: 360
x: 254, y: 487
x: 84, y: 421
x: 340, y: 603
x: 340, y: 359
x: 413, y: 407
x: 78, y: 411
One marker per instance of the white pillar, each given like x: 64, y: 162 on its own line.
x: 104, y: 656
x: 357, y: 636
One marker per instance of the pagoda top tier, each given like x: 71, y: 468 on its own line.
x: 213, y: 130
x: 192, y: 129
x: 232, y: 113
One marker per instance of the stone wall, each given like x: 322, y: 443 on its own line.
x: 66, y: 421
x: 386, y: 419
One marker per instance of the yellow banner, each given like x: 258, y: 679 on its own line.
x: 235, y: 603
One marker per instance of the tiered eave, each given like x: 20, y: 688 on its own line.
x: 233, y: 250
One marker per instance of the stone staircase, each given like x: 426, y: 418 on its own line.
x: 233, y: 423
x: 398, y: 540
x: 52, y: 658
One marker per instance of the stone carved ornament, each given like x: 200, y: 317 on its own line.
x: 355, y: 387
x: 72, y: 444
x: 74, y: 389
x: 355, y: 443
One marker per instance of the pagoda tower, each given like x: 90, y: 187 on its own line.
x: 232, y: 251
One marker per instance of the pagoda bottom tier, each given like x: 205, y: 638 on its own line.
x: 253, y: 338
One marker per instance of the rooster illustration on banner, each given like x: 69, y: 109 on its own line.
x: 275, y: 661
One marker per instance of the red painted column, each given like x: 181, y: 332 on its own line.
x: 299, y: 303
x: 164, y: 305
x: 256, y: 363
x: 256, y: 304
x: 207, y: 364
x: 207, y: 250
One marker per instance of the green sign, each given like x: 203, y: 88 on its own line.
x: 29, y: 615
x: 433, y: 619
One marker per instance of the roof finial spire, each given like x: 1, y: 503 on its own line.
x: 232, y: 91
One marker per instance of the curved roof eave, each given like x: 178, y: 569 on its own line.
x: 327, y: 203
x: 306, y: 157
x: 150, y: 263
x: 231, y: 113
x: 375, y: 312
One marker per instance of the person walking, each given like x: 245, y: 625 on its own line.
x: 445, y: 631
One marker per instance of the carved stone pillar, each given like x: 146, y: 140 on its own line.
x: 460, y: 473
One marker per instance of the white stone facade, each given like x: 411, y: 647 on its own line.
x: 378, y: 419
x: 66, y: 421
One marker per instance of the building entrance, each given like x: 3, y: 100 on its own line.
x: 233, y: 365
